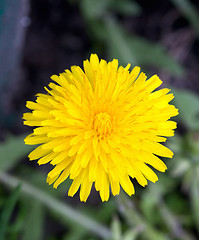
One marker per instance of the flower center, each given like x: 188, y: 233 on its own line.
x: 102, y: 124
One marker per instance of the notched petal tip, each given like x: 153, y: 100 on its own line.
x: 163, y: 169
x: 94, y: 57
x: 155, y: 179
x: 54, y: 77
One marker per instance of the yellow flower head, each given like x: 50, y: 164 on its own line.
x: 101, y: 125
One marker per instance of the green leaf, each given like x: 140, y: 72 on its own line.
x: 7, y: 212
x: 132, y: 234
x: 12, y: 150
x: 137, y: 50
x: 34, y: 222
x: 75, y: 233
x: 126, y: 7
x: 15, y: 229
x: 116, y: 229
x: 189, y: 11
x: 93, y: 9
x: 117, y: 44
x: 187, y: 102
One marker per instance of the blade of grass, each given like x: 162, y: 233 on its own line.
x: 137, y: 50
x: 15, y: 229
x: 118, y: 44
x: 75, y: 234
x: 12, y: 150
x: 7, y: 211
x: 55, y: 205
x: 34, y: 222
x: 126, y: 7
x: 135, y: 219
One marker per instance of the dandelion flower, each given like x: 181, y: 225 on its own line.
x: 103, y: 125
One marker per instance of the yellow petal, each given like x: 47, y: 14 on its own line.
x: 62, y: 177
x: 38, y: 152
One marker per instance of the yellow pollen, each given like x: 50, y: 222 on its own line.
x: 102, y: 124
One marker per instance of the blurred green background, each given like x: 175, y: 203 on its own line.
x: 41, y: 38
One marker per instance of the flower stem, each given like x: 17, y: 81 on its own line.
x: 61, y: 208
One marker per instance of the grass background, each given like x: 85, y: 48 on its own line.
x: 41, y: 38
